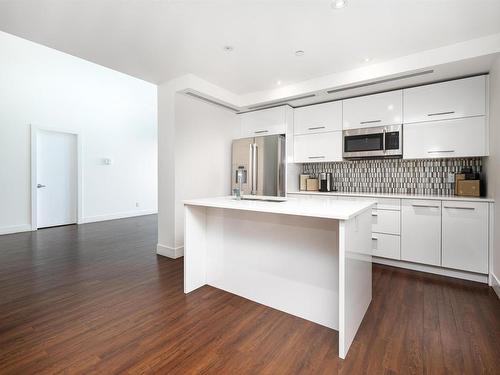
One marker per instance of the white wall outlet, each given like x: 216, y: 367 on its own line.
x: 107, y: 161
x: 451, y: 178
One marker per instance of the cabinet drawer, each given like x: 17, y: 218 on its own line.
x: 393, y: 204
x: 318, y: 118
x: 264, y: 122
x: 387, y: 222
x: 465, y: 236
x: 373, y: 110
x: 386, y: 246
x: 321, y: 147
x: 445, y: 100
x: 444, y: 139
x: 421, y: 231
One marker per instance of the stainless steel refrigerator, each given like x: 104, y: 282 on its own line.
x: 262, y: 163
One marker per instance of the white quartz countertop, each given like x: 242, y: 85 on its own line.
x: 397, y: 196
x: 321, y: 208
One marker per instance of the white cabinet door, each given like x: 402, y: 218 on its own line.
x: 264, y: 122
x: 310, y: 148
x: 373, y: 110
x: 318, y: 118
x: 384, y: 221
x: 386, y: 245
x: 446, y: 139
x: 421, y: 231
x: 445, y: 100
x: 465, y: 236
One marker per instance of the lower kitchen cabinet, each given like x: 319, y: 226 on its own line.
x: 465, y: 236
x: 421, y: 231
x: 386, y: 245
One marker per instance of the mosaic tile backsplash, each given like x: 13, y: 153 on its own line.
x: 394, y: 176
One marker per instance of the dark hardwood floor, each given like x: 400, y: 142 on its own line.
x: 97, y: 299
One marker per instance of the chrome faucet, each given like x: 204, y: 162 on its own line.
x: 239, y: 191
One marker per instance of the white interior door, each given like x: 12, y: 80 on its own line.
x: 56, y: 178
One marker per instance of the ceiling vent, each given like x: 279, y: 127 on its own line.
x: 381, y: 81
x: 281, y: 102
x: 211, y: 101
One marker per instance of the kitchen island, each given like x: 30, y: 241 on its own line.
x: 308, y: 257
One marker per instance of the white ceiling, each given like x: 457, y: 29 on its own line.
x: 157, y: 40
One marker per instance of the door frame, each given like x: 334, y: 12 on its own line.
x: 35, y: 129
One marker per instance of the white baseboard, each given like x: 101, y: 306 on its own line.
x: 170, y: 252
x: 118, y: 215
x: 434, y: 270
x: 15, y: 229
x: 495, y: 284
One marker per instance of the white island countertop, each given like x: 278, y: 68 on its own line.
x: 320, y: 208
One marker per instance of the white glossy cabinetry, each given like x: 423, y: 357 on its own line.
x: 264, y: 122
x: 373, y: 110
x: 464, y: 137
x: 319, y: 147
x: 385, y: 221
x: 465, y: 236
x: 318, y: 118
x: 386, y: 245
x: 446, y: 100
x: 421, y: 231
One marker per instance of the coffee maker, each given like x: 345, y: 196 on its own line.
x: 325, y: 181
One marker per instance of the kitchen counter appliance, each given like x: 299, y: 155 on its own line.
x: 260, y: 161
x: 376, y: 142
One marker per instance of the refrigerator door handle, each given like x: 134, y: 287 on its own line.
x: 254, y: 168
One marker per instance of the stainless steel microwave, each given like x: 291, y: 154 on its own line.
x: 377, y: 142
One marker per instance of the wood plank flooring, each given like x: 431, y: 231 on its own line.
x: 96, y: 299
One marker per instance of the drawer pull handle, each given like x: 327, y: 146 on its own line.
x: 317, y: 127
x: 459, y: 208
x: 370, y: 122
x: 374, y: 214
x: 440, y: 151
x: 261, y: 131
x: 316, y: 157
x: 424, y: 206
x: 374, y: 239
x: 441, y: 113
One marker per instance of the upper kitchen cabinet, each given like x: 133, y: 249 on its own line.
x: 373, y: 110
x: 446, y: 100
x: 265, y: 122
x: 464, y: 137
x: 318, y: 147
x: 318, y: 118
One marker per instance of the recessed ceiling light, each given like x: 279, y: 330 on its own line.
x: 367, y: 59
x: 228, y: 48
x: 339, y: 4
x: 299, y: 53
x: 278, y: 83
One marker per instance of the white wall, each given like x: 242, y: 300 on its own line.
x: 116, y: 115
x: 494, y: 160
x: 195, y: 160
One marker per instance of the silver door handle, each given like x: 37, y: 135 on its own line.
x: 40, y: 186
x: 441, y: 113
x: 316, y: 157
x: 316, y: 128
x: 459, y: 208
x: 440, y: 151
x: 424, y: 206
x: 370, y: 122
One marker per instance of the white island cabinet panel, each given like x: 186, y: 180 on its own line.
x: 465, y: 236
x: 465, y: 137
x: 307, y: 257
x: 318, y: 118
x: 321, y: 147
x: 421, y: 231
x: 264, y: 122
x: 373, y: 110
x: 446, y: 100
